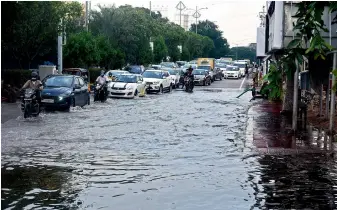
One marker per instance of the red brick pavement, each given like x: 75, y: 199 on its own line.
x: 271, y: 133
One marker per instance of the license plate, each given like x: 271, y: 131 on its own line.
x: 27, y: 99
x: 48, y: 100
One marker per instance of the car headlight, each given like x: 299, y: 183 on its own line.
x: 64, y: 95
x: 155, y: 83
x: 129, y: 88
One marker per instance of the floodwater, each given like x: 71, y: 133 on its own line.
x: 171, y: 151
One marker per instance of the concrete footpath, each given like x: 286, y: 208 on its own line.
x: 270, y: 133
x: 9, y: 111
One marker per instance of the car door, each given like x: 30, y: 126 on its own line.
x: 167, y: 80
x: 84, y: 91
x: 77, y: 92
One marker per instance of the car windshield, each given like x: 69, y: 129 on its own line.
x: 220, y: 65
x: 127, y: 78
x: 115, y: 73
x: 204, y: 67
x: 231, y: 68
x: 170, y: 65
x: 153, y: 74
x: 172, y: 72
x: 198, y: 72
x: 59, y: 81
x: 240, y: 65
x: 134, y: 69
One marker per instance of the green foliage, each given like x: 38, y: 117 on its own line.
x: 94, y: 73
x: 15, y: 77
x: 159, y: 49
x: 243, y: 53
x: 211, y: 30
x: 334, y: 88
x: 274, y: 78
x: 33, y: 27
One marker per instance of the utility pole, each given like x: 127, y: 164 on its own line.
x: 150, y: 9
x: 180, y: 6
x: 333, y: 94
x: 59, y: 47
x: 197, y: 15
x: 87, y: 15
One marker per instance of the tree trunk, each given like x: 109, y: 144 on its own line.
x: 288, y: 97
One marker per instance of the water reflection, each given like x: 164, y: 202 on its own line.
x: 32, y: 187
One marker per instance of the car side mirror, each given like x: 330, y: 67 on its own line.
x: 164, y: 77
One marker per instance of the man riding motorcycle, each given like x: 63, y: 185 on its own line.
x: 189, y: 74
x: 34, y: 83
x: 101, y: 80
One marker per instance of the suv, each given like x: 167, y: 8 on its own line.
x: 157, y: 81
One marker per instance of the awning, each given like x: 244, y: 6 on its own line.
x: 266, y: 58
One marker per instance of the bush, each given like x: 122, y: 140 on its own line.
x: 15, y: 77
x: 94, y: 73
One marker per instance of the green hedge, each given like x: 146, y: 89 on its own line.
x: 15, y: 77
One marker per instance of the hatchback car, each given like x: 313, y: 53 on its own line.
x: 64, y: 91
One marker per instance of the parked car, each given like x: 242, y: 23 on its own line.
x: 201, y: 77
x: 126, y: 86
x: 181, y: 63
x: 232, y: 72
x: 169, y: 65
x: 213, y: 74
x: 64, y: 91
x: 222, y: 67
x: 175, y: 76
x: 157, y: 81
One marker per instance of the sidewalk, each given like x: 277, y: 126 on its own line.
x: 271, y: 133
x: 9, y: 111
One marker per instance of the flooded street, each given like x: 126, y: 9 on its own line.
x: 170, y: 151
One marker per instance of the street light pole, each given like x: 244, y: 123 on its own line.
x: 333, y: 94
x: 59, y: 48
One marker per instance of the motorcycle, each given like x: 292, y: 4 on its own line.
x: 101, y: 92
x: 29, y: 104
x: 188, y: 84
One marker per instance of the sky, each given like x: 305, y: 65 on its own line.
x: 237, y: 19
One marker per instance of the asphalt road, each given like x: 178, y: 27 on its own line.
x: 12, y: 110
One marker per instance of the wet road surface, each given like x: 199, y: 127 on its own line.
x: 170, y: 151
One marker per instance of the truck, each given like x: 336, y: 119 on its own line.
x: 206, y: 62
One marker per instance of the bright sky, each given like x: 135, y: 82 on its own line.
x: 237, y: 19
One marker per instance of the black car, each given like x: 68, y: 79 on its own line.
x: 64, y: 91
x: 134, y: 69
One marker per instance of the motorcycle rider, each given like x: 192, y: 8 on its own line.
x: 102, y: 79
x: 189, y: 74
x: 34, y: 83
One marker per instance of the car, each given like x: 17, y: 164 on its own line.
x: 64, y: 91
x: 157, y: 81
x: 134, y: 69
x: 188, y: 65
x: 156, y: 67
x: 115, y: 73
x: 126, y: 86
x: 201, y: 77
x: 222, y: 67
x: 213, y: 74
x: 169, y: 65
x: 181, y: 63
x: 242, y: 66
x: 232, y: 72
x: 175, y: 76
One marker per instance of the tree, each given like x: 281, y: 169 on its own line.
x: 82, y: 50
x: 211, y: 30
x: 33, y: 28
x: 243, y: 53
x: 159, y: 49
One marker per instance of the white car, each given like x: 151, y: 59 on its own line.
x: 157, y: 81
x: 175, y: 76
x: 241, y: 66
x: 126, y: 86
x: 232, y: 72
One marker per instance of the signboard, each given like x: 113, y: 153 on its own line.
x: 260, y: 42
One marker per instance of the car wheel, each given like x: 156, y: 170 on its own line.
x: 204, y: 83
x: 221, y: 78
x: 136, y: 92
x: 161, y: 90
x: 170, y: 88
x: 88, y: 102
